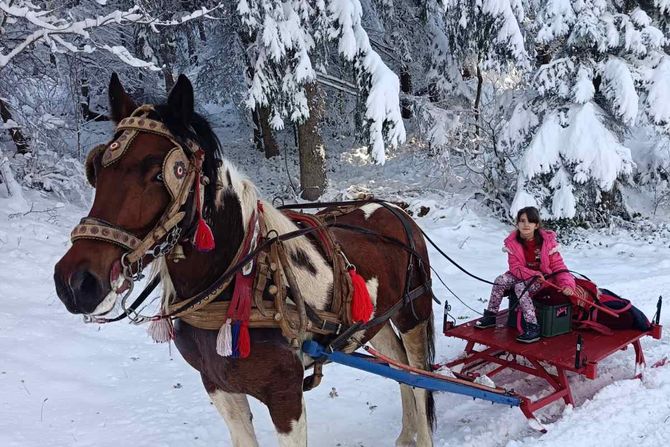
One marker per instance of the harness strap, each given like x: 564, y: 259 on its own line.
x: 98, y: 229
x: 341, y: 341
x: 266, y: 316
x: 198, y: 301
x: 148, y: 125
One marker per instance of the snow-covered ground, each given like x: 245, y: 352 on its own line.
x: 63, y: 383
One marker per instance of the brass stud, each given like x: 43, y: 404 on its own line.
x: 273, y: 290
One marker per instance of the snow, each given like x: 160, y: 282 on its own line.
x: 509, y: 33
x: 557, y: 18
x: 563, y: 203
x: 584, y: 88
x: 619, y: 88
x: 553, y: 78
x: 658, y: 93
x: 86, y: 385
x: 579, y: 139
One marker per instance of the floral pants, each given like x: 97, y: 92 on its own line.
x: 506, y: 283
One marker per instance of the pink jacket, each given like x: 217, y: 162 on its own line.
x: 550, y: 260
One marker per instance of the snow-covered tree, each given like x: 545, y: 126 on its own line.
x: 471, y: 36
x: 287, y: 36
x: 596, y: 76
x: 477, y: 61
x: 31, y: 33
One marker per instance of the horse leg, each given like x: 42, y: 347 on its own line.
x: 416, y: 343
x: 234, y: 408
x: 236, y: 412
x: 387, y: 342
x: 287, y: 410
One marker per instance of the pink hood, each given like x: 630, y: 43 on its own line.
x: 550, y: 260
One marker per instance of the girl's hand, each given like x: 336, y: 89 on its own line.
x: 567, y: 291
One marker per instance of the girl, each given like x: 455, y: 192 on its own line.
x: 532, y: 253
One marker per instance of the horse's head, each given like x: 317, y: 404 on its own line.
x: 145, y: 183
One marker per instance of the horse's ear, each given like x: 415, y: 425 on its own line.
x: 120, y: 103
x: 181, y: 100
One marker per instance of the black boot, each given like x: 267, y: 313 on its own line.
x: 488, y: 320
x: 531, y: 335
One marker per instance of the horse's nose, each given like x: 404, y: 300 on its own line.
x: 86, y: 290
x: 64, y: 292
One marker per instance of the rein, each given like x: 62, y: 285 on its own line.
x: 385, y: 204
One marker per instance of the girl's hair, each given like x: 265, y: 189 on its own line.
x: 533, y: 216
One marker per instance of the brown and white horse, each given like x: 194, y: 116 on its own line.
x: 131, y: 196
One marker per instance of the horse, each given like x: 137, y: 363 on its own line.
x: 174, y: 163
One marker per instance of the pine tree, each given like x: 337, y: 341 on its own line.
x: 477, y: 59
x: 585, y: 95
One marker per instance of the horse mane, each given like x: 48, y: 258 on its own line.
x: 233, y: 182
x: 200, y: 131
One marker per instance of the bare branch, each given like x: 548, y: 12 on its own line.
x: 50, y: 28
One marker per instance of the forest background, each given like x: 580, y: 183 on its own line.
x: 561, y: 104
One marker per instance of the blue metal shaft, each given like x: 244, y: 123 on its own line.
x: 315, y: 350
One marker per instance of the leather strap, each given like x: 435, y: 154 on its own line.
x: 97, y: 229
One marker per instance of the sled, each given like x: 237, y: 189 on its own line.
x: 494, y: 350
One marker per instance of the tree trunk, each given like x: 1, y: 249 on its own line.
x: 310, y: 147
x: 191, y: 46
x: 477, y: 105
x: 258, y: 133
x: 21, y: 142
x: 478, y: 97
x: 406, y: 87
x: 263, y: 134
x: 85, y: 104
x: 166, y: 52
x: 269, y: 142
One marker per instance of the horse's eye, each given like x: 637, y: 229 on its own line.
x: 159, y: 177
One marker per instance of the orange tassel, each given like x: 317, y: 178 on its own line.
x: 204, y: 239
x: 361, y: 304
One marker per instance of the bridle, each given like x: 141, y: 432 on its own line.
x: 182, y: 173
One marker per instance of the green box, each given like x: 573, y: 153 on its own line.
x: 554, y: 314
x: 553, y: 318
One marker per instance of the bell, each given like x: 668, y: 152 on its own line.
x: 177, y: 253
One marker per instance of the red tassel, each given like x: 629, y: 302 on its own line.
x: 361, y: 304
x: 244, y: 341
x: 204, y: 239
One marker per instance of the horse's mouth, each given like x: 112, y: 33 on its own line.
x: 119, y: 284
x: 106, y: 305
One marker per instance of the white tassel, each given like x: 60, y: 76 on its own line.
x: 224, y: 340
x: 161, y: 331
